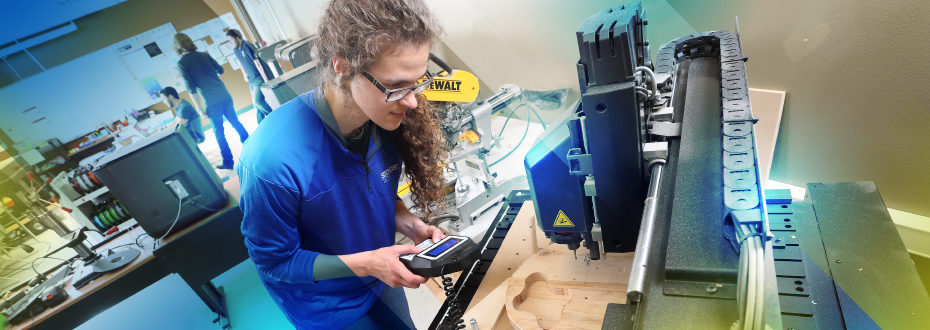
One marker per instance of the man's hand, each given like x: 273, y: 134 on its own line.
x: 196, y: 98
x: 426, y: 232
x: 261, y: 72
x: 384, y: 263
x: 411, y: 226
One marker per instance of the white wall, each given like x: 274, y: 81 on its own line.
x: 298, y: 18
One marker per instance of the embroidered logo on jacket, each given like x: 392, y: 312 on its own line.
x: 387, y: 173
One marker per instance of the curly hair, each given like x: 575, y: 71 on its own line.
x: 183, y: 44
x: 360, y: 32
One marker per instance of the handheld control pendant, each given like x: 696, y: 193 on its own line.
x: 449, y: 255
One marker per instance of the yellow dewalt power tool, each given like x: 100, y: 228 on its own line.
x: 460, y: 86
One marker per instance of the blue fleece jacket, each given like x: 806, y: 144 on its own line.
x: 304, y: 194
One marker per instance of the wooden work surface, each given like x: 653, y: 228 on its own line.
x: 122, y: 242
x: 519, y: 244
x: 563, y: 292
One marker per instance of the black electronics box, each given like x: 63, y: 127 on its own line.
x: 54, y: 296
x: 139, y: 176
x: 291, y: 84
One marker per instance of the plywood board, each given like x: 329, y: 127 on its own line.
x: 561, y: 268
x: 767, y: 105
x: 541, y: 240
x: 503, y: 323
x: 489, y: 311
x: 435, y: 287
x: 573, y: 295
x: 516, y: 248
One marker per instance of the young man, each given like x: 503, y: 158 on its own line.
x: 319, y: 178
x: 201, y: 75
x: 248, y: 58
x: 187, y: 115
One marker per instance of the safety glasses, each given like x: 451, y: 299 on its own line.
x: 391, y: 95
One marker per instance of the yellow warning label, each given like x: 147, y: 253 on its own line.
x: 562, y: 220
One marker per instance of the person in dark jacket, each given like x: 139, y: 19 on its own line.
x: 319, y: 178
x: 255, y: 71
x: 201, y: 76
x: 186, y: 114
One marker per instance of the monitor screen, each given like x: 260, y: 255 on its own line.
x: 436, y: 251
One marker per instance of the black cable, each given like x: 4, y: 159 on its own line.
x: 453, y: 320
x: 143, y: 246
x: 521, y: 139
x: 443, y: 218
x: 34, y: 263
x: 141, y: 236
x: 121, y: 245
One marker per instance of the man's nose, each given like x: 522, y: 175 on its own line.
x: 409, y: 101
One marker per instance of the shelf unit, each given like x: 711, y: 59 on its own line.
x: 83, y: 206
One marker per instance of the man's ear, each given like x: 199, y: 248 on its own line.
x: 340, y: 65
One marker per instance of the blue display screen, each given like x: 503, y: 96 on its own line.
x: 441, y: 248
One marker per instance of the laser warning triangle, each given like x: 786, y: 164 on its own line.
x: 562, y: 221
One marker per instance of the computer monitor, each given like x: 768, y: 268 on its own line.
x: 143, y: 177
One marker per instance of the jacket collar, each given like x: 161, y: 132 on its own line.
x: 329, y: 120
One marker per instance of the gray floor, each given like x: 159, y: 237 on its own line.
x: 170, y: 304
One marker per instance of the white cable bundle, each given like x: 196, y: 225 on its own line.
x: 751, y: 278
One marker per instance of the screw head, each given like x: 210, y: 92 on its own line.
x: 711, y: 288
x: 778, y: 240
x: 839, y: 261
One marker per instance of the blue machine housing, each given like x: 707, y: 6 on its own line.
x: 554, y: 189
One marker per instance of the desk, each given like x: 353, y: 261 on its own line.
x: 105, y: 291
x: 198, y: 253
x: 203, y: 251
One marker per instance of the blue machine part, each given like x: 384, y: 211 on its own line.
x: 558, y: 196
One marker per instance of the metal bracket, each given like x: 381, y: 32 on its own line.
x: 579, y: 163
x: 665, y: 128
x: 655, y: 150
x: 663, y: 114
x: 597, y: 233
x: 589, y: 189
